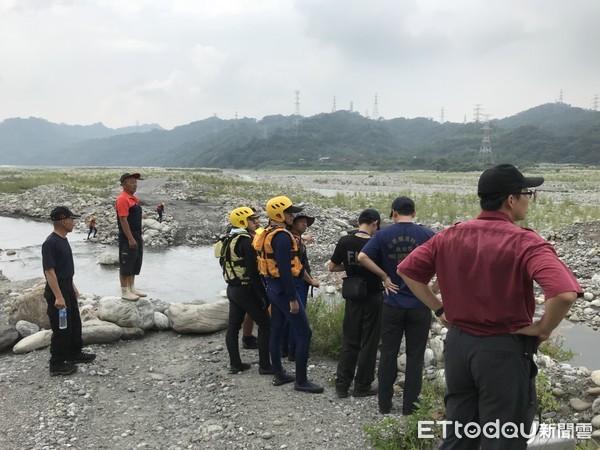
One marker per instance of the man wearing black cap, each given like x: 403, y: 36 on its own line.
x: 131, y: 246
x: 61, y: 293
x: 362, y: 314
x: 403, y: 314
x: 485, y: 269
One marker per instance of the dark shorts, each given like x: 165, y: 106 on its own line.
x: 130, y: 260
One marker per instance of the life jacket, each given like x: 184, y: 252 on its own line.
x: 234, y: 268
x: 267, y: 266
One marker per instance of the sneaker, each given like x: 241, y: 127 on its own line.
x: 134, y: 291
x: 342, y: 393
x: 388, y: 410
x: 126, y: 294
x: 267, y: 371
x: 82, y: 357
x: 283, y: 378
x: 62, y: 368
x: 241, y: 368
x: 309, y: 386
x: 365, y: 393
x: 249, y: 342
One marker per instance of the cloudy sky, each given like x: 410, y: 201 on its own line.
x: 172, y: 62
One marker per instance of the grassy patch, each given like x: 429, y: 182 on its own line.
x: 554, y: 348
x: 403, y: 432
x: 546, y: 400
x: 326, y: 318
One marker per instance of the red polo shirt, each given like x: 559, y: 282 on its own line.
x: 486, y: 268
x: 124, y: 202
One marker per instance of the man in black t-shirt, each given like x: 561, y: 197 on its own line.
x: 61, y: 293
x: 362, y: 317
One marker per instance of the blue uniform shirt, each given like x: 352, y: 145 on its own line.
x: 387, y: 248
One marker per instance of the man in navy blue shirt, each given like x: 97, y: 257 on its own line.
x: 61, y: 293
x: 403, y: 314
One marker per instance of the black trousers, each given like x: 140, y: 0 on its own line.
x: 487, y: 379
x: 362, y: 329
x: 413, y: 324
x: 242, y: 300
x: 67, y: 343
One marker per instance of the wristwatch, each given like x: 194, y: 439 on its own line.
x: 439, y: 312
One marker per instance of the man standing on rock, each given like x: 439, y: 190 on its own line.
x: 485, y: 269
x: 362, y: 313
x: 131, y: 245
x: 279, y: 263
x: 403, y: 314
x: 60, y: 293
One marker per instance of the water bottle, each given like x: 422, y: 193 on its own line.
x: 62, y: 318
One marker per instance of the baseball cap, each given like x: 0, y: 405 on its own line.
x: 129, y: 175
x: 403, y: 205
x: 369, y: 214
x: 504, y: 179
x: 62, y: 212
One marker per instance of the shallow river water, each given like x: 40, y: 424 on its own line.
x: 176, y: 274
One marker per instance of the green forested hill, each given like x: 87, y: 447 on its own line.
x: 555, y: 133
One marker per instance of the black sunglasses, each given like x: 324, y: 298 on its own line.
x: 528, y: 193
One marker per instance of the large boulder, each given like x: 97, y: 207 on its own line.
x: 161, y: 322
x: 124, y: 313
x: 191, y: 318
x: 36, y: 341
x: 8, y: 336
x: 109, y: 258
x: 32, y: 307
x: 99, y: 332
x: 26, y: 328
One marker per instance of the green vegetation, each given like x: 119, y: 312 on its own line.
x: 343, y: 140
x: 326, y: 318
x: 546, y: 400
x: 402, y: 432
x: 554, y: 348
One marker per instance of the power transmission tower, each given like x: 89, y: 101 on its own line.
x: 485, y: 151
x: 351, y: 106
x: 376, y: 108
x: 596, y: 102
x: 477, y: 113
x: 442, y: 115
x: 560, y: 96
x: 334, y: 107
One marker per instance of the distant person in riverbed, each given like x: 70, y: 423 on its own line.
x: 245, y: 289
x: 485, y: 269
x: 131, y: 245
x: 160, y: 209
x: 92, y: 225
x: 60, y: 293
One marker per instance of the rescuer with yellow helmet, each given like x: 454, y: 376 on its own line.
x: 245, y: 289
x: 279, y: 263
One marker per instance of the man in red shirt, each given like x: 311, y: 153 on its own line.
x: 485, y: 268
x: 131, y: 246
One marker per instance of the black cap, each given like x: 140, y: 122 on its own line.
x: 129, y: 175
x: 403, y: 205
x: 504, y: 179
x: 293, y: 209
x: 62, y: 212
x: 369, y: 215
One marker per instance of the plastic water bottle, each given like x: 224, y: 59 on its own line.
x: 62, y: 318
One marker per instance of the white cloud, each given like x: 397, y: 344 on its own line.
x: 177, y: 61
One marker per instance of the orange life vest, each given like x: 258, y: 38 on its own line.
x: 262, y: 243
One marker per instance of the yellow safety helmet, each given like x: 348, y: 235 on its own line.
x: 239, y: 216
x: 277, y: 205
